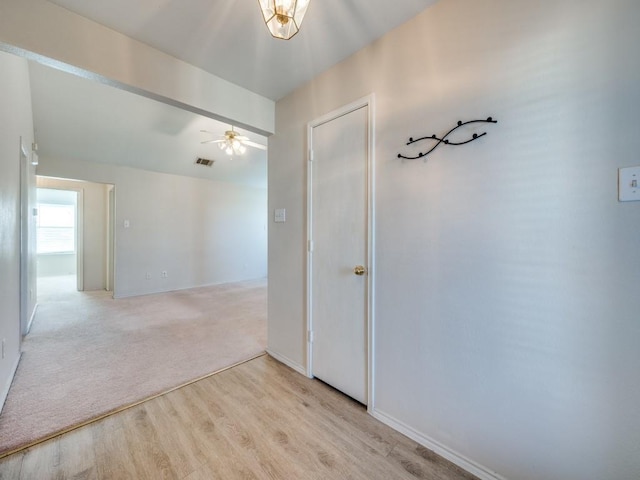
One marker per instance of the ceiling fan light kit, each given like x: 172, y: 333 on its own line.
x: 283, y: 17
x: 234, y: 144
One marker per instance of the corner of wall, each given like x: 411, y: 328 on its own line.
x: 287, y: 361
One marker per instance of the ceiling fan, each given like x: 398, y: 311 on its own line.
x: 233, y: 143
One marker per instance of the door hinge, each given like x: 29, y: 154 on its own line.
x: 310, y: 246
x: 311, y: 155
x: 310, y: 336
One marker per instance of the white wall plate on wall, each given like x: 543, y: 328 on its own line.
x: 629, y: 184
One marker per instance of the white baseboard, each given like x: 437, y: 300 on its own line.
x: 33, y: 315
x: 288, y: 362
x: 460, y: 460
x: 135, y: 293
x: 7, y: 386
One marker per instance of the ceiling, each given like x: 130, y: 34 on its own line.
x: 77, y: 119
x: 228, y: 38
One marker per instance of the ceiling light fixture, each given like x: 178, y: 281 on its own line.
x: 283, y: 17
x: 232, y: 144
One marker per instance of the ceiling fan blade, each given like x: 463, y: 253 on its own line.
x: 255, y: 145
x: 242, y: 138
x: 213, y: 141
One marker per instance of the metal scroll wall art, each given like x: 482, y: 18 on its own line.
x: 439, y: 141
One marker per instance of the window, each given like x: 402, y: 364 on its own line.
x: 56, y: 228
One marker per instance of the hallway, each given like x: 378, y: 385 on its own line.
x: 258, y: 420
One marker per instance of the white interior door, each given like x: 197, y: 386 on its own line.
x: 338, y: 232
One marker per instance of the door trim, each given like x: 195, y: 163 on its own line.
x: 25, y: 236
x: 111, y: 247
x: 80, y: 239
x: 369, y: 102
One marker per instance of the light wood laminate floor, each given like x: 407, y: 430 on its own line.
x: 258, y: 420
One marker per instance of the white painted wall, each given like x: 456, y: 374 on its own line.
x: 15, y: 122
x: 60, y: 38
x: 94, y: 234
x: 56, y: 264
x: 200, y: 232
x: 507, y: 301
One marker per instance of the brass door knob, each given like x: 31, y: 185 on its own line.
x: 359, y: 270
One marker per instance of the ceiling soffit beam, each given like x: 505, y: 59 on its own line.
x: 51, y: 35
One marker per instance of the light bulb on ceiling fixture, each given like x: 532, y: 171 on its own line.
x: 283, y: 17
x: 233, y: 143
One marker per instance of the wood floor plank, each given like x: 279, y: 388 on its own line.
x: 336, y: 452
x: 179, y: 452
x: 241, y: 425
x: 221, y: 453
x: 77, y: 459
x: 424, y: 463
x: 112, y: 457
x: 206, y: 472
x: 236, y: 426
x: 10, y: 470
x: 334, y: 406
x: 275, y: 428
x: 150, y: 459
x: 257, y: 421
x: 335, y: 411
x: 183, y: 431
x: 42, y: 461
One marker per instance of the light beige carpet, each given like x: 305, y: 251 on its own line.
x: 88, y: 354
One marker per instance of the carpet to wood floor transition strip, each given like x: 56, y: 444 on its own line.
x: 123, y: 408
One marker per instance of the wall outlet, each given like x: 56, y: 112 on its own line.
x: 164, y: 274
x: 280, y: 215
x: 148, y: 276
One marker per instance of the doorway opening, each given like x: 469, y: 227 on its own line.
x: 75, y: 237
x: 57, y: 240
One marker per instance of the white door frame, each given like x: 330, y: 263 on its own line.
x: 25, y: 294
x: 79, y: 239
x: 110, y: 252
x: 369, y: 102
x: 111, y: 228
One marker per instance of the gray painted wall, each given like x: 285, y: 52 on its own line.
x: 507, y: 305
x: 15, y: 122
x: 201, y: 232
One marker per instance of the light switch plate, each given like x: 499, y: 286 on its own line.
x: 279, y: 215
x: 629, y: 184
